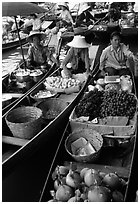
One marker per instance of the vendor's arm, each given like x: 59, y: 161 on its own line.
x: 103, y: 59
x: 87, y: 63
x: 128, y: 52
x: 30, y: 56
x: 66, y: 60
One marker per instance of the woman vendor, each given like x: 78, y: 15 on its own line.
x: 85, y: 18
x: 77, y: 57
x: 38, y: 55
x: 65, y: 18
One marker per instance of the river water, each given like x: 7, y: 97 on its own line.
x: 11, y: 58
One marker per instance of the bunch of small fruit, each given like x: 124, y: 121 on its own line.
x: 86, y: 185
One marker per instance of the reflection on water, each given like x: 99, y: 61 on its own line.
x: 10, y: 60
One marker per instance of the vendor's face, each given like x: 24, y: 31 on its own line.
x: 36, y: 40
x: 78, y: 50
x: 115, y: 41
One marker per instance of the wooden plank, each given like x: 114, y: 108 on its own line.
x: 14, y: 140
x: 123, y: 172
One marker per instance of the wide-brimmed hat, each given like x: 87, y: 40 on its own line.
x: 83, y: 8
x: 33, y: 33
x: 78, y: 42
x: 63, y: 4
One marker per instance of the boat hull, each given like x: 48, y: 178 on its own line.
x: 14, y: 44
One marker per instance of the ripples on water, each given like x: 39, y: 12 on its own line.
x: 11, y: 59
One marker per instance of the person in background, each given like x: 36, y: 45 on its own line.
x: 36, y: 22
x: 77, y: 57
x: 65, y: 18
x: 85, y: 18
x: 115, y: 58
x: 38, y: 55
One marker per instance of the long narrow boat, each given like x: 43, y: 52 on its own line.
x: 108, y: 171
x: 13, y: 44
x: 17, y: 153
x: 70, y: 98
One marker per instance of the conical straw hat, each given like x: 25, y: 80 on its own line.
x: 32, y: 33
x: 83, y: 8
x: 78, y: 42
x: 63, y: 4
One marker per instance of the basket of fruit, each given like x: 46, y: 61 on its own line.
x: 24, y: 122
x: 22, y: 75
x: 42, y: 95
x: 104, y: 110
x: 84, y: 145
x: 62, y: 85
x: 36, y: 75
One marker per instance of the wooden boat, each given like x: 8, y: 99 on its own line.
x: 34, y: 159
x: 17, y: 90
x: 25, y: 146
x: 13, y: 44
x: 117, y: 156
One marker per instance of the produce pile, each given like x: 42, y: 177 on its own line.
x: 62, y: 83
x: 86, y: 185
x: 44, y: 94
x: 100, y: 104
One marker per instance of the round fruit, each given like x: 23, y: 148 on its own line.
x: 117, y: 196
x: 99, y: 194
x: 92, y: 178
x: 83, y: 171
x: 111, y: 180
x: 64, y: 193
x: 73, y: 179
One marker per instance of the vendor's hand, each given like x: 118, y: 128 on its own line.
x: 67, y: 73
x: 103, y: 73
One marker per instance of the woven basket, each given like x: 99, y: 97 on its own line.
x: 24, y: 122
x: 52, y: 107
x: 90, y: 135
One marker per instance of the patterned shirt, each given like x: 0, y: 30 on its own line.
x: 38, y: 56
x: 116, y: 59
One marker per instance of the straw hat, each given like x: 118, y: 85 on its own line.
x: 33, y: 33
x: 63, y: 4
x: 83, y: 8
x: 78, y: 42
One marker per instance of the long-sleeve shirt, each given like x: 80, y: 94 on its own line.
x: 73, y: 57
x: 116, y: 59
x: 66, y: 16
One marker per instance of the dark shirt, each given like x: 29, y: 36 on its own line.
x: 85, y: 18
x: 37, y: 56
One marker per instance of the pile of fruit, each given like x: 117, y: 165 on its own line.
x: 86, y: 185
x: 100, y: 104
x: 62, y: 83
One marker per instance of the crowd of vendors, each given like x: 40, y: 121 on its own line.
x: 114, y: 59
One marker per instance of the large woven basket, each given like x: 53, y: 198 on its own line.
x: 52, y: 107
x: 91, y: 136
x: 24, y: 122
